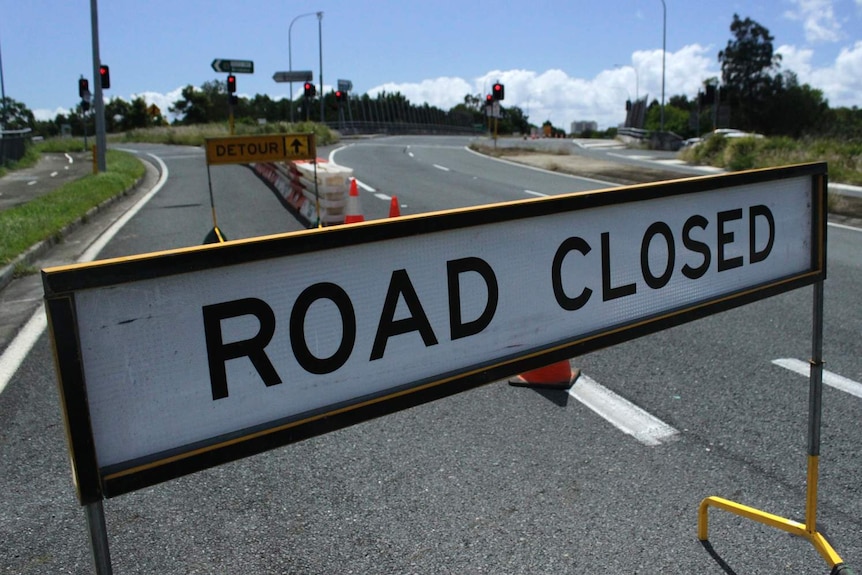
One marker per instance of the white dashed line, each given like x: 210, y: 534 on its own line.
x: 621, y: 413
x: 532, y: 193
x: 834, y: 380
x: 439, y: 167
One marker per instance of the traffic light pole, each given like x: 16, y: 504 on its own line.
x: 98, y: 104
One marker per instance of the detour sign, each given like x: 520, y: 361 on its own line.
x: 266, y: 148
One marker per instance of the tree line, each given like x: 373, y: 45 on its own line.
x: 753, y: 94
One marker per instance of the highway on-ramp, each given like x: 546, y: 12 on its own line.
x: 496, y: 480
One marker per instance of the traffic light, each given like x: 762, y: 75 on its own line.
x: 83, y: 87
x: 105, y: 77
x: 309, y: 90
x: 489, y: 100
x: 231, y: 84
x: 499, y: 91
x: 340, y: 96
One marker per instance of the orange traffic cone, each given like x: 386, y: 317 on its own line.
x: 354, y: 211
x: 558, y: 375
x: 394, y: 208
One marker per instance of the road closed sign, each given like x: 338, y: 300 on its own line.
x: 173, y: 362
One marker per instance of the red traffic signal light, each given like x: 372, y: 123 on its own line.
x: 498, y: 91
x: 83, y: 87
x: 231, y: 84
x: 340, y: 96
x: 309, y: 90
x: 104, y: 77
x: 489, y: 100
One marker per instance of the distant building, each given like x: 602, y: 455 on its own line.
x: 584, y: 126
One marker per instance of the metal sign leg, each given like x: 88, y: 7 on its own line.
x: 98, y: 537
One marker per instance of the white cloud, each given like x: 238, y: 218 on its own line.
x: 840, y: 82
x: 818, y: 18
x: 44, y: 115
x: 162, y: 101
x: 554, y: 95
x: 442, y: 92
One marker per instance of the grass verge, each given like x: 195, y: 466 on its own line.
x: 27, y: 224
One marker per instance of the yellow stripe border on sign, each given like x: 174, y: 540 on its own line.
x: 264, y: 148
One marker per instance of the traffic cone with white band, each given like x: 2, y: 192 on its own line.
x: 354, y: 211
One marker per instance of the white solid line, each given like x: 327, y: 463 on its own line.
x: 839, y: 382
x: 439, y: 167
x: 365, y: 187
x: 383, y: 197
x: 543, y: 170
x: 13, y: 355
x: 620, y: 412
x: 845, y: 227
x: 532, y: 193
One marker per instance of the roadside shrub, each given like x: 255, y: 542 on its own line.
x: 741, y: 154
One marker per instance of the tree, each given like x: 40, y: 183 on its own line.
x: 193, y: 108
x: 116, y: 114
x: 15, y: 116
x: 747, y: 64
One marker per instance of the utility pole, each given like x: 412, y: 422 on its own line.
x: 98, y: 103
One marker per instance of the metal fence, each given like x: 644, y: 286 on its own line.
x: 13, y: 145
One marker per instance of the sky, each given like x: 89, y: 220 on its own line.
x: 560, y: 60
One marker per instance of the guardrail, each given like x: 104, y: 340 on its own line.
x: 364, y: 127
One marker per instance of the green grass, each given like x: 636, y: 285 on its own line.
x: 843, y: 157
x: 27, y: 224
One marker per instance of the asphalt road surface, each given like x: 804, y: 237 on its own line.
x: 495, y: 480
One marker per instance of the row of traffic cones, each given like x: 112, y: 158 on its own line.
x: 354, y: 209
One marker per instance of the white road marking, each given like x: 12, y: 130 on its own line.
x: 439, y: 167
x: 365, y: 187
x: 834, y: 380
x: 54, y: 174
x: 32, y: 182
x: 18, y: 349
x: 70, y: 158
x: 845, y: 227
x: 532, y: 193
x: 383, y: 197
x: 621, y: 413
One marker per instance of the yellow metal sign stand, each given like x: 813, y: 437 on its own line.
x: 808, y: 530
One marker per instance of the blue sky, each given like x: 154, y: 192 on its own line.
x: 561, y: 60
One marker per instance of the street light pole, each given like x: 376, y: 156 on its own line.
x: 290, y: 56
x: 663, y: 51
x: 320, y: 50
x: 3, y: 96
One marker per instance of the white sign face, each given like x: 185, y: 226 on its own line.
x: 188, y: 360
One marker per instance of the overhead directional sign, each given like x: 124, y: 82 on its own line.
x: 265, y: 148
x: 294, y: 76
x: 172, y: 362
x: 233, y: 66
